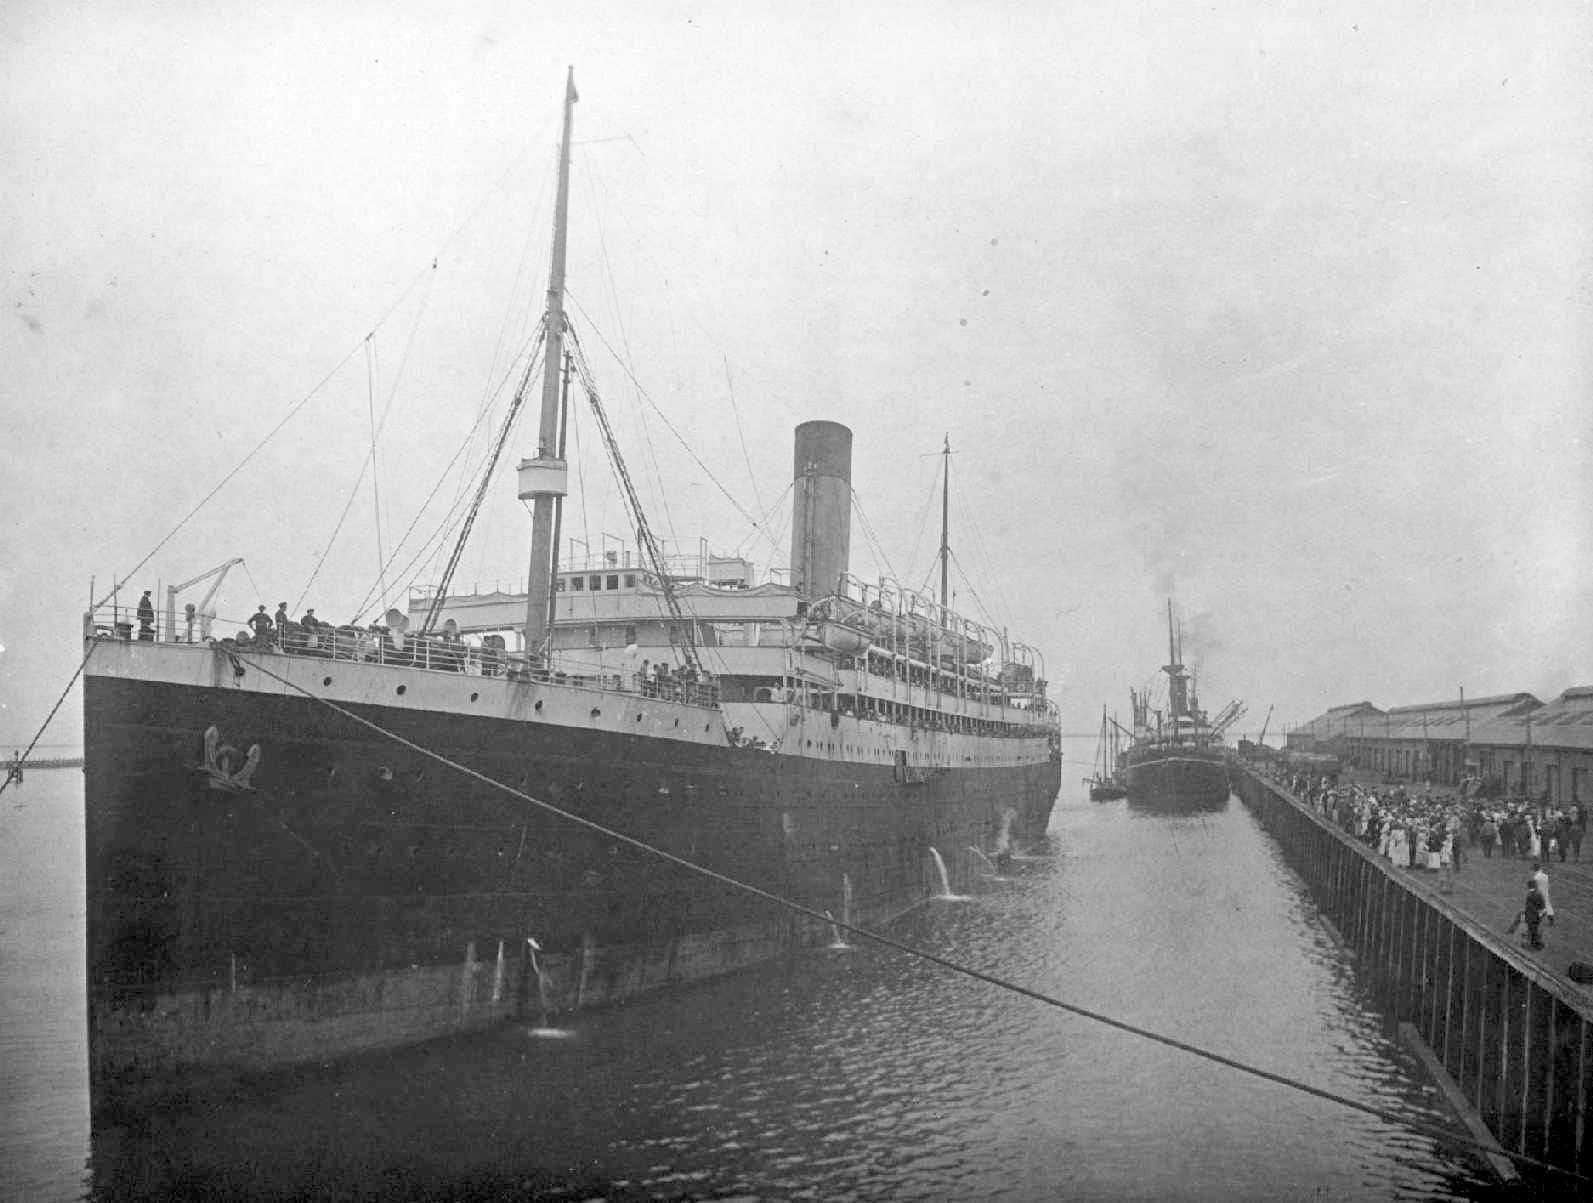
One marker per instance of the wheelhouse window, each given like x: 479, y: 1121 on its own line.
x: 612, y: 582
x: 594, y: 582
x: 630, y: 580
x: 577, y: 583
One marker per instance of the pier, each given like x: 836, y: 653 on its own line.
x: 49, y: 762
x: 1506, y: 1029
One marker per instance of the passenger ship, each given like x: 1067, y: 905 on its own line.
x: 323, y: 840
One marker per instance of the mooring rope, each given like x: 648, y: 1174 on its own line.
x: 23, y: 759
x: 1436, y: 1132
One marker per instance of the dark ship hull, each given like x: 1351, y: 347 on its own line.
x: 1178, y: 778
x: 348, y: 891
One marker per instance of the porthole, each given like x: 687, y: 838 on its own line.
x: 326, y: 680
x: 538, y: 706
x: 474, y: 696
x: 596, y: 713
x: 400, y: 690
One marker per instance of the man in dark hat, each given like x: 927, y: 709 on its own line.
x: 260, y: 624
x: 1534, y: 914
x: 146, y: 617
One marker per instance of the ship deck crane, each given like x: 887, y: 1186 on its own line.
x: 1261, y: 740
x: 219, y: 572
x: 1230, y: 714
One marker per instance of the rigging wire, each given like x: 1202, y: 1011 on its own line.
x: 625, y: 341
x: 624, y: 367
x: 369, y: 464
x: 532, y: 304
x: 504, y: 431
x: 33, y: 743
x: 978, y: 601
x: 434, y: 541
x: 392, y: 397
x: 762, y: 530
x: 741, y: 434
x: 1434, y: 1131
x: 923, y: 524
x: 376, y: 492
x: 868, y: 532
x: 981, y: 546
x: 244, y: 564
x: 293, y: 411
x: 117, y: 585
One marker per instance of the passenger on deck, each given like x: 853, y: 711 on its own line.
x: 282, y: 620
x: 146, y: 618
x: 260, y: 624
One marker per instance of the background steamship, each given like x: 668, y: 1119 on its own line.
x: 1176, y: 761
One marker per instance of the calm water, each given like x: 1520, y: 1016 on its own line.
x: 853, y: 1074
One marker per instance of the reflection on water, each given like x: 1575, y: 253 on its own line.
x: 870, y: 1075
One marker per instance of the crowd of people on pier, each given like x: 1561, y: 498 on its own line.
x: 1422, y: 830
x: 1418, y: 828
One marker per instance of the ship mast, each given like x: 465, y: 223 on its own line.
x: 945, y: 525
x: 544, y: 479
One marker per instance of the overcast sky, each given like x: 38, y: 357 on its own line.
x: 1282, y: 312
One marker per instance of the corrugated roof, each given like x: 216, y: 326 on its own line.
x: 1566, y: 723
x: 1482, y: 720
x: 1339, y: 711
x: 1470, y: 704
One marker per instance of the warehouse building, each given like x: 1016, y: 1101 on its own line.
x: 1512, y: 744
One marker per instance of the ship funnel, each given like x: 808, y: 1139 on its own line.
x: 821, y: 510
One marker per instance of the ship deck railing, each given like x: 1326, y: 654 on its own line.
x: 433, y: 653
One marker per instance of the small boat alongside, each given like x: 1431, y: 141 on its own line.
x: 1106, y: 782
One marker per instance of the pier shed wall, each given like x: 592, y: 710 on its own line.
x: 1516, y: 1041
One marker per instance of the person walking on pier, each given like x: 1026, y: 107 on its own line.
x: 1562, y: 834
x: 1540, y: 879
x: 1486, y: 835
x: 1533, y: 913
